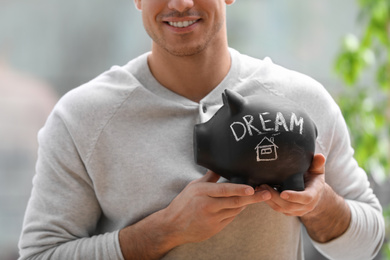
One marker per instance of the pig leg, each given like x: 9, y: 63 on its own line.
x: 294, y: 182
x: 238, y: 180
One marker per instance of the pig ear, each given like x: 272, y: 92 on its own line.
x: 233, y: 100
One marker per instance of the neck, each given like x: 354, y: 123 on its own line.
x: 193, y: 76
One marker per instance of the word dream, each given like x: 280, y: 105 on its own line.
x: 266, y: 124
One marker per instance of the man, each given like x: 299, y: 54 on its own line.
x: 116, y: 177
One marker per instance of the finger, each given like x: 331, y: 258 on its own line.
x: 313, y: 188
x: 242, y: 201
x: 318, y: 164
x: 301, y: 198
x: 296, y: 204
x: 273, y: 194
x: 277, y: 202
x: 229, y: 213
x: 228, y: 190
x: 313, y: 180
x: 210, y: 176
x: 274, y: 206
x: 286, y: 207
x: 227, y: 221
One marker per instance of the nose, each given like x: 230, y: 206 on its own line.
x: 180, y: 5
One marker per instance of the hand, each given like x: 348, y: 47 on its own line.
x: 200, y: 211
x: 205, y: 207
x: 300, y: 203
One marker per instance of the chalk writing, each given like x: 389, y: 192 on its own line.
x: 268, y: 123
x: 249, y: 125
x: 263, y: 122
x: 294, y: 120
x: 280, y: 121
x: 266, y: 150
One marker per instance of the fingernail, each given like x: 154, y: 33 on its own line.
x: 266, y: 195
x: 284, y: 196
x: 249, y: 191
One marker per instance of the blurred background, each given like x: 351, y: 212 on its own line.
x: 48, y: 47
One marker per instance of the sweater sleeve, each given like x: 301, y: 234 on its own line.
x: 364, y: 237
x: 63, y: 211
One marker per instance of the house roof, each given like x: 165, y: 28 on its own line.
x: 266, y: 142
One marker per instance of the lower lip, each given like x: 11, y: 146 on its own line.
x: 187, y: 29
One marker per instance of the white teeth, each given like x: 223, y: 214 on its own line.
x: 181, y: 24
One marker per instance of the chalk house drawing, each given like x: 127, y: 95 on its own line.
x: 266, y: 150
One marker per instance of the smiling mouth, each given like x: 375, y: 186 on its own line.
x: 182, y: 24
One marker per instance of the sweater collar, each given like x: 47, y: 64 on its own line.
x: 142, y: 72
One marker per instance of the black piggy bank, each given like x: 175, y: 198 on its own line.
x: 259, y: 139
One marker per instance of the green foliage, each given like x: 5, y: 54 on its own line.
x: 366, y: 105
x: 364, y: 65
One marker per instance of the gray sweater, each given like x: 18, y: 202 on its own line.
x: 119, y: 148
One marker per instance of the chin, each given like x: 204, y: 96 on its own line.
x: 185, y: 52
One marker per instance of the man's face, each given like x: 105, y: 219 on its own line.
x: 184, y: 27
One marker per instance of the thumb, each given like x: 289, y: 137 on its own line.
x: 318, y: 164
x: 210, y: 176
